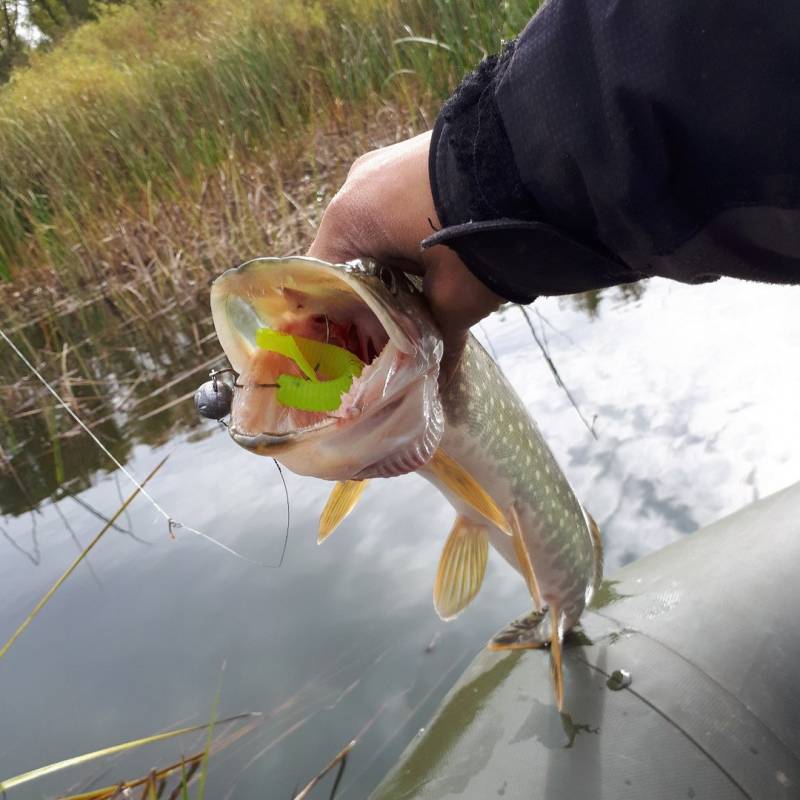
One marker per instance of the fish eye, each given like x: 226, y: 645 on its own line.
x: 387, y: 278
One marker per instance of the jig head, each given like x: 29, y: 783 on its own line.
x: 214, y: 398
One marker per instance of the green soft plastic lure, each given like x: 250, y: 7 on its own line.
x: 310, y: 393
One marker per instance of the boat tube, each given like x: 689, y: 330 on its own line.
x: 683, y: 682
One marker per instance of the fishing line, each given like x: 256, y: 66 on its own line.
x: 288, y: 513
x: 172, y: 523
x: 554, y: 371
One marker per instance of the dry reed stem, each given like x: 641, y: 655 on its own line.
x: 49, y: 594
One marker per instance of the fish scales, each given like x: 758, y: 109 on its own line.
x: 474, y: 439
x: 490, y: 433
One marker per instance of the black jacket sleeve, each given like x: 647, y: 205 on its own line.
x: 621, y: 139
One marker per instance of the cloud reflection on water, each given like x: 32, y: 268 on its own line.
x: 694, y: 391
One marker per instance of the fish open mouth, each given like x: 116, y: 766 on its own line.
x: 317, y: 301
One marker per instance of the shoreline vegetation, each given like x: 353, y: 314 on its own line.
x: 167, y: 141
x: 149, y: 151
x: 142, y: 155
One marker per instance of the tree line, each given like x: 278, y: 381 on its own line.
x: 41, y: 23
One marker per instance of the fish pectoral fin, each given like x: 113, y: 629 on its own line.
x: 342, y: 501
x: 450, y: 473
x: 461, y: 567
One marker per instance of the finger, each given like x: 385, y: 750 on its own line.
x: 457, y: 300
x: 333, y: 241
x: 454, y: 346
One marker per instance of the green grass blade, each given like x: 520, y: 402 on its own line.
x: 40, y: 772
x: 201, y: 787
x: 423, y: 40
x: 184, y: 783
x: 181, y: 791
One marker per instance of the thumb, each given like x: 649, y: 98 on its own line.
x: 454, y: 344
x: 457, y: 300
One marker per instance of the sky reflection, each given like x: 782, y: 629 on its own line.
x: 692, y: 394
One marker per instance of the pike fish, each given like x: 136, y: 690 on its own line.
x: 474, y: 440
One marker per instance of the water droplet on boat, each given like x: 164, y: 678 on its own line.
x: 619, y: 679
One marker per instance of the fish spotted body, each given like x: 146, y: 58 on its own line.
x: 474, y: 440
x: 490, y: 433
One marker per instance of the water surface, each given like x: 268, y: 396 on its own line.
x: 690, y: 391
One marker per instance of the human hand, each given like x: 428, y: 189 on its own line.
x: 383, y: 211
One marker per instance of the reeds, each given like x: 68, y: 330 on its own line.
x: 166, y: 143
x: 123, y: 377
x: 155, y: 783
x: 124, y: 130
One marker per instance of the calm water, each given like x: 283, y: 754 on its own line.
x: 692, y: 393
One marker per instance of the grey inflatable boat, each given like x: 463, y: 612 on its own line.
x: 683, y: 683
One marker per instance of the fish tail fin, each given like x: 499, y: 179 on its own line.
x: 556, y: 666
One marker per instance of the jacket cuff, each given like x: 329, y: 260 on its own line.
x: 489, y: 219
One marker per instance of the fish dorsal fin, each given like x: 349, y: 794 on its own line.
x: 461, y: 567
x: 457, y: 480
x: 342, y: 501
x: 597, y: 549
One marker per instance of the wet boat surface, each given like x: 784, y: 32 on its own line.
x: 681, y: 684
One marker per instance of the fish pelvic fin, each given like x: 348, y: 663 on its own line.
x: 461, y: 567
x: 341, y: 502
x: 524, y: 558
x: 452, y: 475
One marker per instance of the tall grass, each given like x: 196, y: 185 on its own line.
x: 184, y: 116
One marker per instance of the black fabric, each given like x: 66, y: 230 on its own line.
x: 481, y: 182
x: 624, y: 129
x: 516, y: 244
x: 481, y: 152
